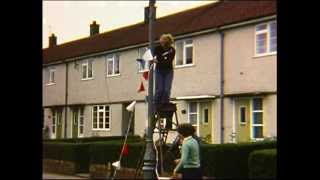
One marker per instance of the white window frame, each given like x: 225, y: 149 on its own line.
x: 251, y: 121
x: 51, y: 71
x: 194, y: 113
x: 267, y: 31
x: 246, y: 118
x: 86, y: 64
x: 104, y: 117
x: 184, y: 58
x: 112, y: 58
x: 140, y: 70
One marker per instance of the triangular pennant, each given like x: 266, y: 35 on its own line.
x: 117, y: 165
x: 145, y: 75
x: 125, y: 151
x: 141, y: 88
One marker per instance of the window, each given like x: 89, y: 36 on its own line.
x: 206, y: 116
x: 193, y: 113
x: 101, y: 117
x: 87, y: 71
x: 266, y: 38
x: 113, y: 65
x: 242, y: 115
x: 257, y: 118
x: 50, y: 76
x: 145, y: 64
x: 184, y: 52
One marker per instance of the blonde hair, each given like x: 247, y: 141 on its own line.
x: 169, y: 38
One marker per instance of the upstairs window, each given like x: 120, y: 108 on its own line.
x: 87, y: 71
x: 184, y: 53
x: 266, y: 38
x: 145, y: 64
x: 113, y: 62
x: 51, y: 76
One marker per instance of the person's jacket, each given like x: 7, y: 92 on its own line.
x: 164, y: 57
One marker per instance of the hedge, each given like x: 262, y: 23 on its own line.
x: 109, y: 152
x: 219, y: 160
x: 263, y: 164
x: 93, y: 139
x: 230, y: 160
x: 77, y: 153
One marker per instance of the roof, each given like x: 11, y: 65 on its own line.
x: 193, y: 20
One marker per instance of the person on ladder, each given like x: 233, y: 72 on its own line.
x: 164, y: 53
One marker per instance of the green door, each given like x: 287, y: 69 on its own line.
x: 75, y: 123
x: 59, y: 123
x: 205, y: 121
x: 243, y: 120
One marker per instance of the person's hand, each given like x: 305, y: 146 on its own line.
x: 154, y: 60
x: 176, y: 161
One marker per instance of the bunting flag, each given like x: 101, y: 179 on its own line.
x: 125, y: 151
x: 145, y: 75
x: 141, y: 88
x: 116, y: 165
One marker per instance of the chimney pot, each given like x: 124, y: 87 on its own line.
x: 94, y: 28
x: 52, y: 40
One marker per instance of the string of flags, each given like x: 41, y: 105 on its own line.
x: 145, y: 75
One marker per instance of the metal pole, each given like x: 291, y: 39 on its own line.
x: 149, y: 156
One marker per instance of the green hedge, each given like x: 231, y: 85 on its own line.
x: 77, y: 153
x: 80, y: 152
x: 219, y: 160
x: 93, y: 139
x: 230, y: 160
x: 263, y: 164
x: 103, y: 153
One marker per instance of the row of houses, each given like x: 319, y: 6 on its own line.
x: 225, y: 75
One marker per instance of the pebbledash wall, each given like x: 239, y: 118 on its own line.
x: 246, y: 77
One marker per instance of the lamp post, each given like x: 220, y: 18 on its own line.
x: 149, y: 156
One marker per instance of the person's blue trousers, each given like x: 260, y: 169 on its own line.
x: 163, y: 86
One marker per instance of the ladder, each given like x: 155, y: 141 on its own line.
x: 164, y: 112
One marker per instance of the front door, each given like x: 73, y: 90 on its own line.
x: 243, y: 119
x: 56, y: 129
x: 205, y: 121
x: 77, y: 122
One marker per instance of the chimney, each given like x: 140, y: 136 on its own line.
x: 94, y: 28
x: 52, y: 40
x: 146, y: 14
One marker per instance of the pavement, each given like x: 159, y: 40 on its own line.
x: 46, y: 175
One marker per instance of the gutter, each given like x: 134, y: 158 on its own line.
x: 177, y: 37
x: 66, y: 103
x: 221, y: 85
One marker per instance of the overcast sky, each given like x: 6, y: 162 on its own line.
x: 70, y: 20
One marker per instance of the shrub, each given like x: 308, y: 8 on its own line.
x: 263, y: 164
x: 230, y: 160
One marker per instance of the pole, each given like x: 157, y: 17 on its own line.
x: 149, y: 156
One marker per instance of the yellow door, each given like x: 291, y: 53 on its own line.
x: 243, y: 120
x: 205, y: 121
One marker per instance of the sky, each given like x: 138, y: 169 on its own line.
x: 70, y: 20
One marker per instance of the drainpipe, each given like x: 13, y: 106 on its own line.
x: 221, y: 85
x: 66, y: 103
